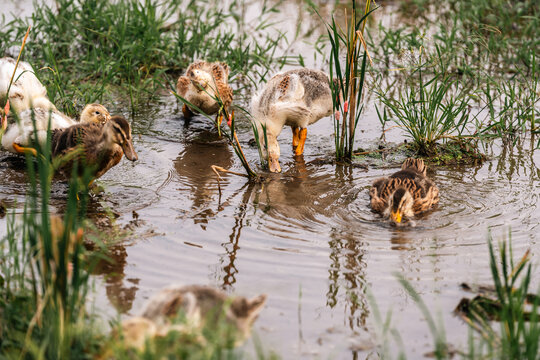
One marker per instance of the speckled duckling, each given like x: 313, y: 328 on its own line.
x: 200, y: 305
x: 404, y: 194
x: 202, y: 82
x: 296, y: 98
x: 101, y: 146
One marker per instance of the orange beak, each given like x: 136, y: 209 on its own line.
x: 396, y: 216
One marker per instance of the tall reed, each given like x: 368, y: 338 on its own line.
x: 347, y: 79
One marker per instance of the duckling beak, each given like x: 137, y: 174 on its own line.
x: 129, y: 151
x: 273, y: 164
x: 396, y: 216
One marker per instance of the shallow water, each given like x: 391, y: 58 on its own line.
x: 305, y: 237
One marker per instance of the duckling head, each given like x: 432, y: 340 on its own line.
x: 95, y: 113
x: 119, y: 133
x: 242, y: 313
x: 401, y: 205
x: 201, y: 79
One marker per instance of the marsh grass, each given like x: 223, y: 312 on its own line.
x: 45, y: 270
x: 429, y: 111
x: 512, y: 306
x: 347, y: 79
x: 96, y: 51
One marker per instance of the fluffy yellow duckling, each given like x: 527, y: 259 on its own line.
x: 202, y: 82
x: 201, y: 306
x: 296, y: 98
x: 26, y: 90
x: 20, y: 135
x: 404, y: 194
x: 101, y: 145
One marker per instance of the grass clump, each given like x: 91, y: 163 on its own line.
x: 347, y: 80
x: 428, y: 112
x: 506, y: 301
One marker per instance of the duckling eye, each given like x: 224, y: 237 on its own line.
x: 97, y: 113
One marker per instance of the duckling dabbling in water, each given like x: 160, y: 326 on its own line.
x: 297, y: 98
x: 404, y: 194
x: 101, y: 145
x: 201, y: 84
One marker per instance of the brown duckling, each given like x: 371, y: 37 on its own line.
x: 19, y: 135
x: 404, y: 194
x: 202, y: 83
x: 201, y: 306
x: 102, y: 145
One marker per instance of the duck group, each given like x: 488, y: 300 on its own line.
x: 99, y: 139
x: 295, y: 98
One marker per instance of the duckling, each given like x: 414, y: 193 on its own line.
x: 26, y: 90
x: 201, y: 306
x: 297, y: 98
x: 202, y: 82
x: 19, y: 135
x: 102, y: 145
x: 404, y: 194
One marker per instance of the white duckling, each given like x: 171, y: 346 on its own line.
x: 26, y: 90
x: 296, y: 98
x: 21, y: 133
x: 202, y: 82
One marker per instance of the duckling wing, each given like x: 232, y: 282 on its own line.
x: 378, y: 202
x: 428, y: 197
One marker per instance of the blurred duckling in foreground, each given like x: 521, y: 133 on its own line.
x: 26, y: 90
x: 19, y: 135
x: 297, y: 98
x: 200, y: 306
x: 99, y: 146
x: 201, y: 84
x: 404, y: 194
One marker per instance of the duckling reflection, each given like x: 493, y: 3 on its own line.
x: 120, y: 294
x: 193, y: 166
x: 304, y: 192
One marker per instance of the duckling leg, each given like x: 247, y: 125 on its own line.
x: 188, y: 114
x: 295, y: 137
x: 24, y: 150
x: 300, y: 148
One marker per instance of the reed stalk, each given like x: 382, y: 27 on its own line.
x: 347, y: 79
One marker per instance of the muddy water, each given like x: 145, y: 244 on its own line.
x: 305, y: 237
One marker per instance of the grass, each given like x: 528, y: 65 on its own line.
x: 45, y: 276
x: 428, y: 112
x: 510, y: 303
x: 347, y: 80
x: 94, y: 51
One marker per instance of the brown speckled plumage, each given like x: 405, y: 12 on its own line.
x: 203, y: 81
x: 388, y: 192
x: 100, y: 146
